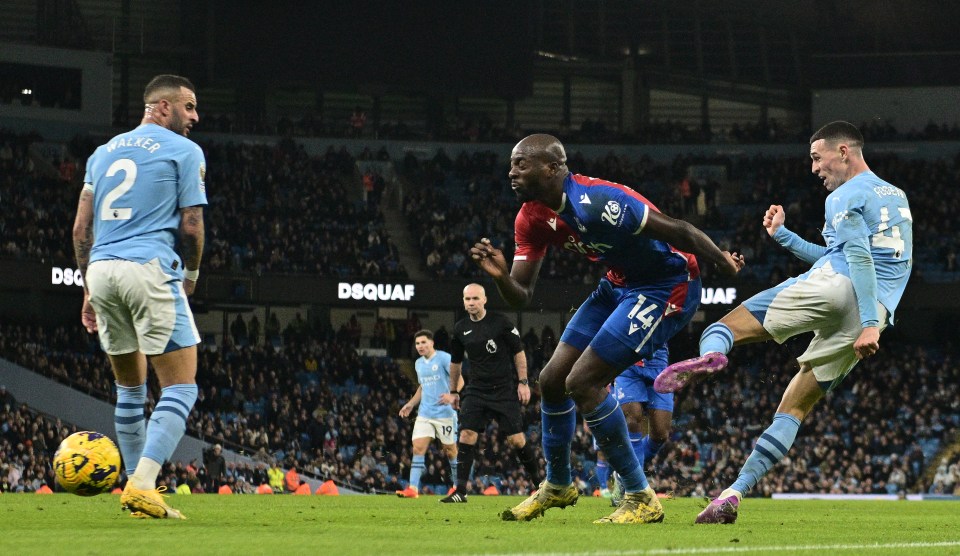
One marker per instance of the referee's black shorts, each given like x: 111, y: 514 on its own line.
x: 477, y: 410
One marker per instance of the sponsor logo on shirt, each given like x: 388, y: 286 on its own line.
x: 611, y: 213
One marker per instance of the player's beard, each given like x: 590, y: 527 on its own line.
x: 178, y: 125
x: 522, y: 195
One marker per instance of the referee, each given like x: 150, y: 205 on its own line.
x: 495, y: 391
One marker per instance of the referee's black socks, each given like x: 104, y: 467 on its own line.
x: 465, y: 455
x: 528, y: 458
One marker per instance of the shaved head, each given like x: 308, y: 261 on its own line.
x: 538, y: 166
x: 474, y: 301
x: 541, y: 146
x: 475, y: 289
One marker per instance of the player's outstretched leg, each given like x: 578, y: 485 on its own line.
x: 676, y: 376
x: 547, y: 496
x: 637, y: 507
x: 722, y: 510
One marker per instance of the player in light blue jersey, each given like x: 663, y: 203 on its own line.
x: 143, y: 197
x: 847, y: 298
x: 434, y: 420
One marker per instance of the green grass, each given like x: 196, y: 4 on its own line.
x: 383, y: 525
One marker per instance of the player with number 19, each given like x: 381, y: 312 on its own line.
x: 434, y: 419
x: 143, y: 196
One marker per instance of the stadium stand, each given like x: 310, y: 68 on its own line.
x: 452, y: 203
x: 290, y: 212
x: 878, y: 433
x: 286, y: 400
x: 28, y: 441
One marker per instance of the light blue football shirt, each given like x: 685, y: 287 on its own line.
x: 434, y: 377
x: 140, y: 180
x: 867, y: 206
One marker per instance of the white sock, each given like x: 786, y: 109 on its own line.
x: 730, y: 492
x: 145, y: 477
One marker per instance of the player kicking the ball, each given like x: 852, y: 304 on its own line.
x: 846, y: 299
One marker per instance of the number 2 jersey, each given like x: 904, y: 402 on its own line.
x: 602, y: 220
x: 140, y: 180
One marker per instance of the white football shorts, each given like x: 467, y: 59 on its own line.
x: 444, y: 430
x: 139, y: 307
x: 821, y: 301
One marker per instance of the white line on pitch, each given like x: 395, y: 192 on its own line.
x: 738, y: 549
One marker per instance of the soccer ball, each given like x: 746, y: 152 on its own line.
x: 87, y: 463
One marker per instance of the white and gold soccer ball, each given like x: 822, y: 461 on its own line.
x: 87, y: 463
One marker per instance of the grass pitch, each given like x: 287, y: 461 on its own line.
x: 385, y: 525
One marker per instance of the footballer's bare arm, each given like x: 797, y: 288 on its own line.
x: 688, y: 238
x: 516, y: 287
x: 191, y: 245
x: 83, y: 231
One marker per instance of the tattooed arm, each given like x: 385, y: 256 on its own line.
x: 82, y: 243
x: 191, y: 242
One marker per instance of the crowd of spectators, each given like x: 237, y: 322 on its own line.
x: 315, y: 405
x: 278, y: 209
x: 37, y: 209
x: 28, y: 441
x: 876, y: 434
x: 946, y: 480
x: 461, y: 200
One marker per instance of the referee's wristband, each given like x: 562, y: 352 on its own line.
x: 454, y: 392
x: 191, y: 275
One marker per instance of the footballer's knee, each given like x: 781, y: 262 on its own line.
x: 554, y: 375
x: 587, y: 381
x: 633, y: 413
x: 661, y: 423
x: 552, y: 380
x: 517, y: 441
x: 468, y: 437
x: 584, y: 390
x: 744, y: 326
x: 802, y: 394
